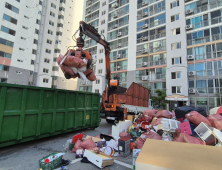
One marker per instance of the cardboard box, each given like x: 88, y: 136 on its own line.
x: 98, y: 159
x: 164, y: 155
x: 131, y: 117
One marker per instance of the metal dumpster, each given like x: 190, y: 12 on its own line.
x: 29, y: 113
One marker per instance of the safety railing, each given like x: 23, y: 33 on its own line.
x: 153, y: 50
x: 118, y: 25
x: 120, y: 56
x: 150, y: 13
x: 204, y: 39
x: 117, y: 35
x: 150, y: 64
x: 90, y: 2
x: 118, y: 68
x: 151, y: 25
x: 119, y: 5
x: 140, y: 5
x: 119, y: 45
x: 118, y: 14
x: 92, y: 18
x: 151, y: 37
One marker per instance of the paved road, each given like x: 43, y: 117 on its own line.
x: 25, y: 156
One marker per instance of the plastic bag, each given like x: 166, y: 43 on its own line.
x: 197, y: 118
x: 113, y: 144
x: 150, y: 112
x: 189, y: 139
x: 135, y: 133
x: 101, y: 144
x: 125, y: 134
x: 146, y: 117
x: 139, y: 143
x: 216, y: 121
x: 163, y: 114
x: 88, y: 144
x: 77, y: 146
x: 157, y: 122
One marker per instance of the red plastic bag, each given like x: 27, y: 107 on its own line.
x: 77, y: 137
x: 88, y: 144
x: 216, y: 121
x: 151, y: 135
x: 151, y: 113
x: 139, y: 143
x: 77, y: 146
x: 197, y: 118
x: 146, y: 117
x: 125, y: 134
x: 157, y: 122
x: 189, y: 139
x: 163, y: 114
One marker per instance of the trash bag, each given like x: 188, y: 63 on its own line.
x: 197, y: 118
x: 157, y: 122
x: 146, y: 117
x: 163, y: 114
x: 182, y: 111
x: 216, y: 121
x: 151, y: 135
x: 125, y: 134
x: 77, y: 146
x: 150, y: 112
x: 88, y: 144
x: 135, y: 133
x: 189, y: 139
x: 139, y: 143
x: 101, y: 144
x: 176, y: 134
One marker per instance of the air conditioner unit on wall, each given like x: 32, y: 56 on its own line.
x: 144, y: 78
x: 145, y: 3
x: 145, y: 14
x: 115, y: 15
x: 119, y: 34
x: 118, y: 67
x: 145, y: 26
x: 190, y: 57
x: 192, y: 90
x: 189, y: 27
x: 144, y: 38
x: 119, y: 56
x: 89, y: 11
x: 86, y: 46
x: 89, y: 2
x: 189, y: 11
x: 145, y: 51
x: 116, y: 25
x: 191, y: 73
x: 144, y: 64
x: 119, y: 45
x: 138, y: 51
x: 116, y: 5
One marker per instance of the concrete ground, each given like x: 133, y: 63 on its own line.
x: 25, y: 156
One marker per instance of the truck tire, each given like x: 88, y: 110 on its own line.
x: 110, y: 121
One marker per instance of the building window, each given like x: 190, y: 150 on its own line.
x: 32, y: 62
x: 7, y: 30
x: 58, y: 33
x: 6, y: 42
x: 104, y: 3
x: 54, y: 77
x: 36, y: 31
x: 9, y: 6
x: 60, y: 17
x: 35, y: 41
x: 24, y: 27
x: 102, y: 31
x: 54, y: 59
x: 46, y: 60
x: 58, y: 42
x: 176, y: 89
x: 176, y: 60
x: 98, y: 81
x: 174, y: 18
x: 103, y: 12
x: 37, y: 21
x: 60, y: 25
x: 40, y: 2
x: 18, y: 1
x: 49, y: 41
x: 50, y: 32
x: 20, y: 61
x: 176, y: 45
x: 31, y: 73
x: 48, y: 51
x: 175, y: 31
x: 5, y: 55
x: 45, y: 70
x: 96, y: 90
x: 34, y: 51
x: 100, y: 61
x: 21, y: 49
x: 54, y: 68
x: 3, y: 80
x: 101, y: 51
x: 57, y: 51
x: 45, y: 80
x: 3, y: 67
x: 63, y: 1
x: 175, y: 75
x: 103, y: 22
x: 100, y: 71
x: 52, y: 14
x: 61, y: 9
x: 18, y: 72
x: 10, y: 19
x: 51, y: 23
x: 174, y: 4
x: 53, y: 5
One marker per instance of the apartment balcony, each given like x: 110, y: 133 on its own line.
x: 151, y: 77
x: 119, y: 35
x: 60, y: 21
x: 211, y: 90
x: 153, y: 50
x: 82, y: 82
x: 89, y: 45
x: 119, y: 5
x: 58, y: 46
x: 62, y: 5
x: 150, y: 13
x: 151, y: 64
x: 153, y: 91
x: 217, y: 72
x: 118, y: 25
x: 151, y: 25
x: 118, y: 68
x: 111, y: 1
x: 204, y: 23
x: 204, y: 39
x: 119, y: 56
x: 92, y: 10
x: 204, y: 8
x: 151, y: 37
x: 90, y: 2
x: 205, y: 56
x: 123, y: 79
x: 140, y: 5
x: 118, y: 14
x: 119, y: 45
x: 62, y: 13
x: 92, y: 18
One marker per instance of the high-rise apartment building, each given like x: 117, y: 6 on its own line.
x: 33, y: 34
x: 172, y: 45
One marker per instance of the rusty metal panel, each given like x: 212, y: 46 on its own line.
x: 135, y: 101
x: 142, y: 92
x: 130, y: 90
x: 121, y: 98
x: 146, y: 92
x: 141, y: 102
x: 136, y: 89
x: 129, y: 100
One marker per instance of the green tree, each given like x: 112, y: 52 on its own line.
x: 159, y: 101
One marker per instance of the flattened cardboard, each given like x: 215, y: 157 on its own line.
x: 93, y: 138
x: 131, y: 117
x: 164, y: 155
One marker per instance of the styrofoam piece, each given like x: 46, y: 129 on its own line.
x: 218, y: 134
x: 122, y: 126
x: 204, y: 132
x: 170, y: 125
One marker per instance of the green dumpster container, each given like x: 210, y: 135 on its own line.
x: 29, y: 113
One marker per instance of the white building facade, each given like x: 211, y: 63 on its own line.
x: 172, y: 45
